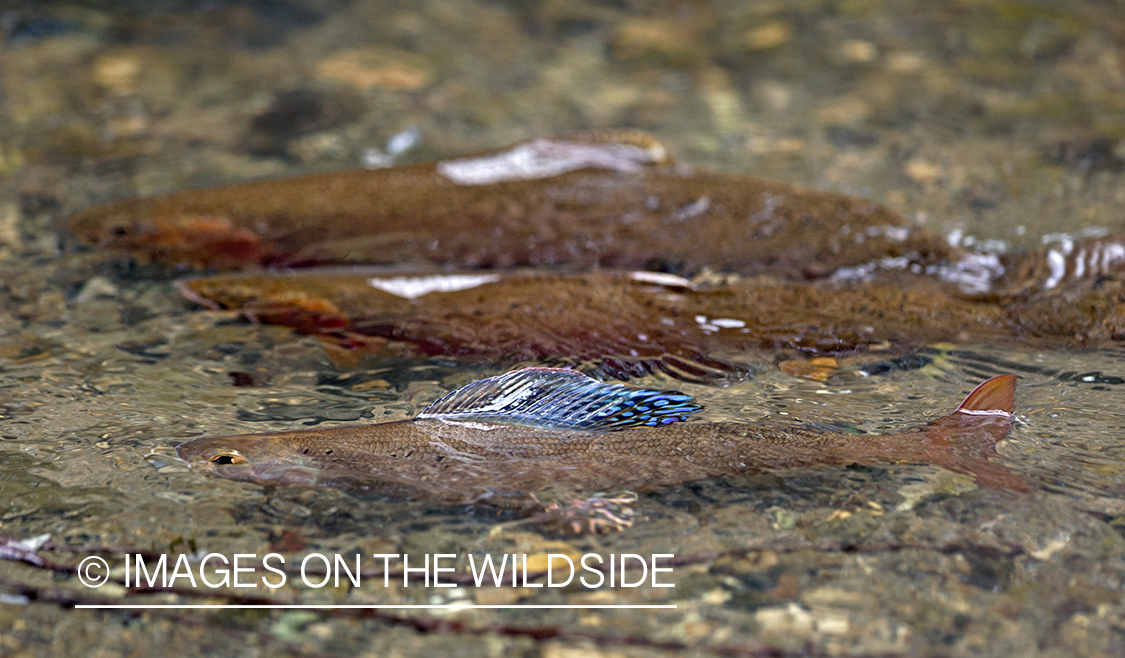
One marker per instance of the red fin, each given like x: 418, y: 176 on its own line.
x: 996, y: 394
x: 965, y: 441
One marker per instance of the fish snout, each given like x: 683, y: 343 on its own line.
x: 206, y: 456
x: 251, y: 461
x: 110, y: 225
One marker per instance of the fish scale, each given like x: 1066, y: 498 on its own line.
x: 505, y: 463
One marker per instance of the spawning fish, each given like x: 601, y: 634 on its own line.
x: 599, y: 199
x: 504, y: 439
x: 626, y: 324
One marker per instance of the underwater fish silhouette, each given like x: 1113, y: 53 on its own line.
x: 620, y: 325
x: 508, y: 439
x: 596, y: 199
x: 784, y: 267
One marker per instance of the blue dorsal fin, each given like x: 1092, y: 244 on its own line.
x: 560, y: 399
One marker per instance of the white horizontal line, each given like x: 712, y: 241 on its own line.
x: 433, y: 606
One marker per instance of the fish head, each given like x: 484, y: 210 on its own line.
x: 110, y: 225
x: 159, y: 231
x: 260, y: 458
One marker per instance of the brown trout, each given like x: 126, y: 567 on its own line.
x: 604, y: 199
x: 502, y: 440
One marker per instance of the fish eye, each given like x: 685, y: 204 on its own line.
x: 228, y: 459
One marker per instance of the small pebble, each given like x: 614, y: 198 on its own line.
x: 97, y: 286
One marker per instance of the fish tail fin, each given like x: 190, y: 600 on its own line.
x: 965, y: 440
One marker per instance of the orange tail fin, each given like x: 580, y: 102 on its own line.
x: 965, y: 441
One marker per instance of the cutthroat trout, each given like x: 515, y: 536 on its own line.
x: 504, y: 439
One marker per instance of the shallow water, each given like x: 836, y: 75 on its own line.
x: 993, y: 123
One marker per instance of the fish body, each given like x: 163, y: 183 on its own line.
x: 835, y: 273
x: 470, y: 457
x: 630, y: 323
x: 578, y: 201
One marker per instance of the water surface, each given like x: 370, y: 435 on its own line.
x: 996, y: 124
